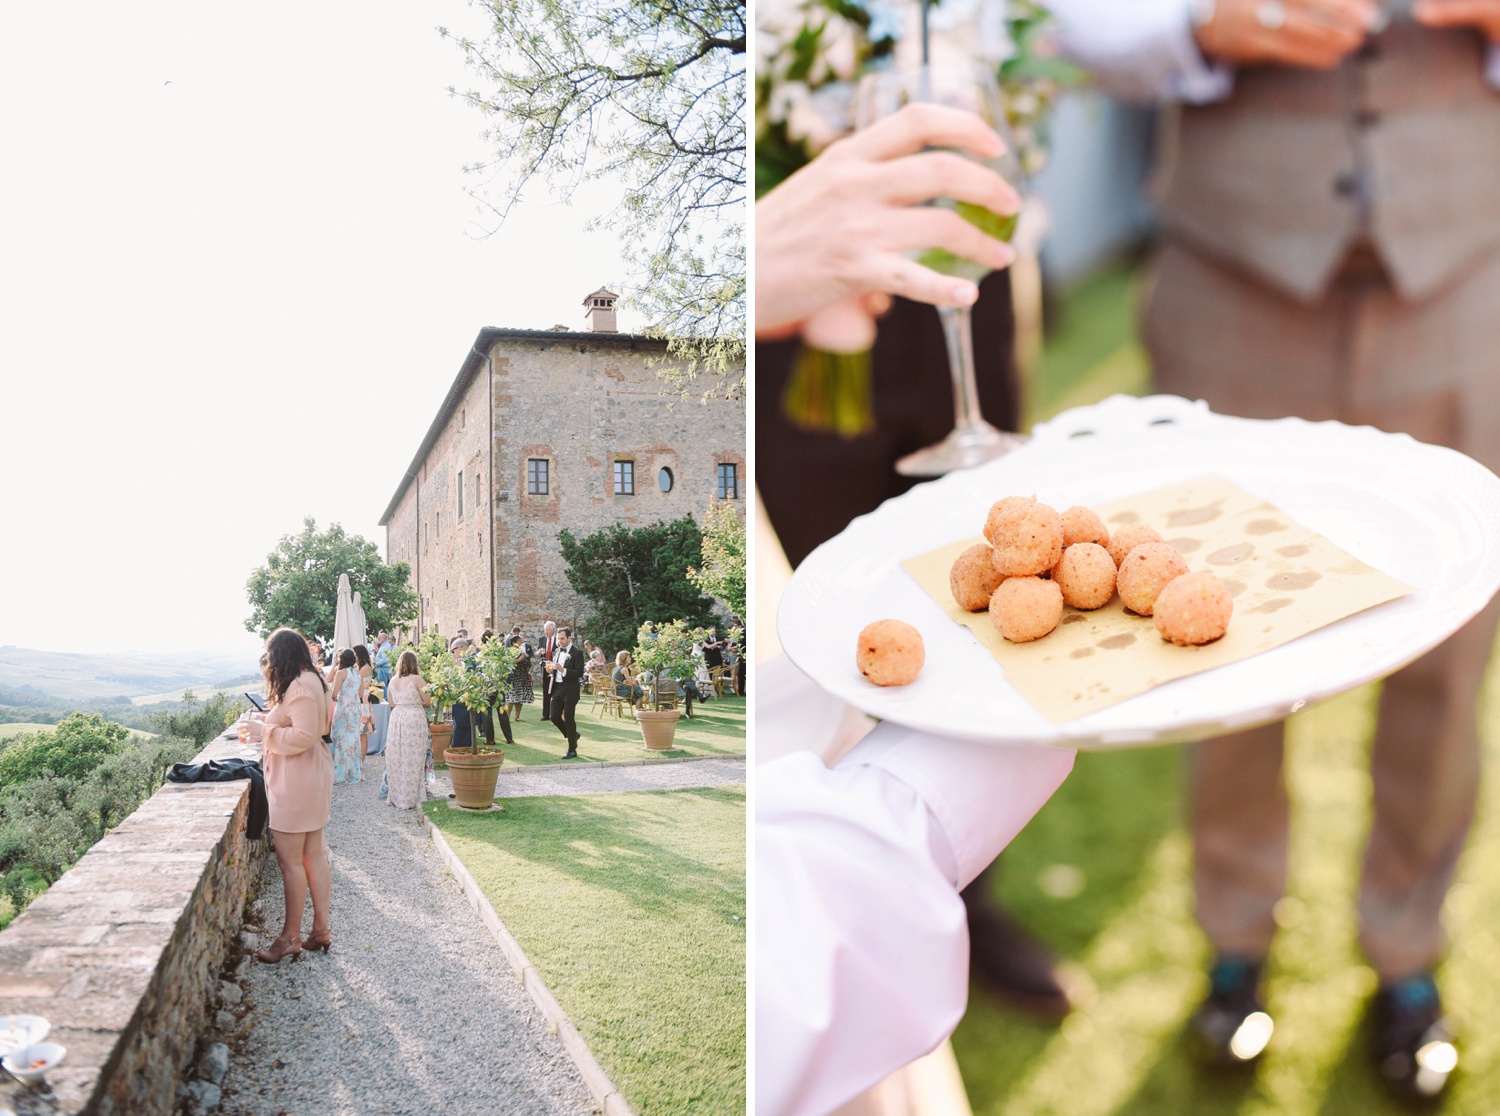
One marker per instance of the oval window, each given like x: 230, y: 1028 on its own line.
x: 664, y: 479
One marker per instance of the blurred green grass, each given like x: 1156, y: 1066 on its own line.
x: 1129, y: 934
x: 1091, y: 349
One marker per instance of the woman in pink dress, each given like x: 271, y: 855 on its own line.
x: 299, y: 787
x: 407, y: 736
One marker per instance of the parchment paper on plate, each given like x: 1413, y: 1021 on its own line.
x: 1286, y: 581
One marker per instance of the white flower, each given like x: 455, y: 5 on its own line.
x: 885, y: 20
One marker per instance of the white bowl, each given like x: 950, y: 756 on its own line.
x: 17, y: 1031
x: 30, y: 1063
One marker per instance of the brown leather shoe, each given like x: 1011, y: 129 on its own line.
x: 1007, y: 961
x: 318, y: 940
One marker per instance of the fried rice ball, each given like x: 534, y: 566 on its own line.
x: 974, y: 577
x: 1082, y: 525
x: 1086, y: 575
x: 1146, y: 571
x: 1027, y: 537
x: 1126, y: 539
x: 890, y: 653
x: 1194, y: 608
x: 1026, y: 608
x: 1001, y: 508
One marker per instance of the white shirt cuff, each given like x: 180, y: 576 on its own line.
x: 1195, y: 79
x: 980, y: 795
x: 1141, y: 50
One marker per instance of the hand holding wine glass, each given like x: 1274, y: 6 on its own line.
x: 972, y: 88
x: 849, y: 223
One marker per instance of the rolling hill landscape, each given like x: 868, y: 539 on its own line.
x: 62, y: 681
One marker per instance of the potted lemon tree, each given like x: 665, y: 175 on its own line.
x: 441, y: 673
x: 666, y: 651
x: 480, y: 683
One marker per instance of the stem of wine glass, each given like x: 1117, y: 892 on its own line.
x: 958, y: 329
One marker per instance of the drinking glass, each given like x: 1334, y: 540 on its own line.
x: 974, y: 89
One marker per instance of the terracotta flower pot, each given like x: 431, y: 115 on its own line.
x: 474, y: 775
x: 442, y: 736
x: 657, y: 729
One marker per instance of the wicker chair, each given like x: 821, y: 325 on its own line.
x: 664, y: 694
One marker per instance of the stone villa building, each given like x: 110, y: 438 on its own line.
x: 544, y: 430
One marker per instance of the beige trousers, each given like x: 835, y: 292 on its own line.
x: 1360, y: 355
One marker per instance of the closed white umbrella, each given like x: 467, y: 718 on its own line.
x: 357, y: 623
x: 343, y: 617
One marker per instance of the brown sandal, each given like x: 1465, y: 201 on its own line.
x: 281, y: 947
x: 316, y: 941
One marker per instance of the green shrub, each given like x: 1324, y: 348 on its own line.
x: 197, y: 721
x: 51, y: 818
x: 80, y: 743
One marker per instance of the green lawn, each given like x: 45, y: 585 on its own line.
x: 1118, y: 820
x: 632, y: 907
x: 1116, y: 828
x: 717, y: 728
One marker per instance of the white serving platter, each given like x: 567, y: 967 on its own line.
x: 1424, y: 514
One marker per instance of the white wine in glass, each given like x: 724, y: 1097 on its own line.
x: 974, y: 89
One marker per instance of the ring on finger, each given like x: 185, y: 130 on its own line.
x: 1271, y: 14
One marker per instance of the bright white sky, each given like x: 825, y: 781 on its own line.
x: 237, y: 299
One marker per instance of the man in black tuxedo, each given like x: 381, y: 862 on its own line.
x: 549, y: 648
x: 463, y: 720
x: 564, y: 676
x: 713, y: 651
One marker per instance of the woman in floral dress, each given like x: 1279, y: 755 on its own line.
x: 348, y: 689
x: 407, y: 738
x: 366, y: 670
x: 519, y: 693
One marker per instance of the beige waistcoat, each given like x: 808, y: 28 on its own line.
x: 1399, y: 146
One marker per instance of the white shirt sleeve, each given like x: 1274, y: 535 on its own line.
x: 1140, y: 50
x: 861, y: 942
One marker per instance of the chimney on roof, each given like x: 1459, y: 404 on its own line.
x: 599, y: 309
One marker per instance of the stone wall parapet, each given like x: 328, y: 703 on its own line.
x: 122, y: 954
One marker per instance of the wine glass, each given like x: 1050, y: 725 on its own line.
x: 974, y: 89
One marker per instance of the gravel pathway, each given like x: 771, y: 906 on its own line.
x: 415, y: 1009
x: 603, y: 780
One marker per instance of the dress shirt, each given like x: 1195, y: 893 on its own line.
x: 560, y: 657
x: 1144, y: 50
x: 862, y: 951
